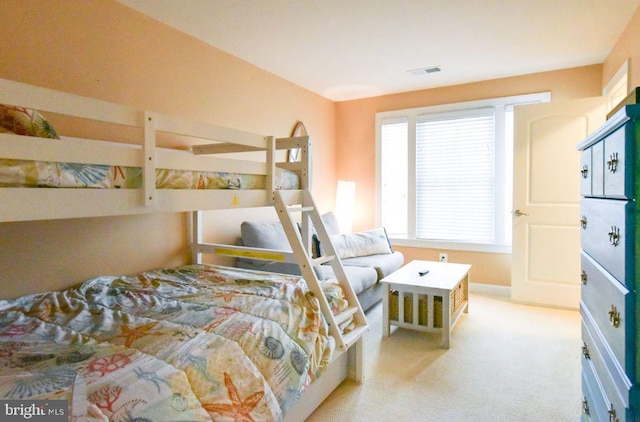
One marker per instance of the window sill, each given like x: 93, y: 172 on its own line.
x: 453, y: 246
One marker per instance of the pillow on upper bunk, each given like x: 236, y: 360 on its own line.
x: 25, y: 121
x: 370, y: 242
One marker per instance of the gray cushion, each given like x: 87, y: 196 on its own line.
x: 351, y: 245
x: 363, y: 272
x: 331, y: 223
x: 371, y: 296
x: 384, y: 264
x: 333, y: 229
x: 270, y: 266
x: 360, y: 278
x: 275, y: 267
x: 265, y: 236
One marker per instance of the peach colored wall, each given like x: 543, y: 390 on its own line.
x: 627, y: 47
x: 103, y: 49
x: 355, y: 125
x: 486, y: 268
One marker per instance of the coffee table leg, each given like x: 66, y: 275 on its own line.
x: 466, y: 293
x: 385, y: 311
x: 446, y: 320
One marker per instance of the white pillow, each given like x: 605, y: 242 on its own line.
x: 370, y: 242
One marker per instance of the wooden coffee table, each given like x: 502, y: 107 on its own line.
x: 432, y: 302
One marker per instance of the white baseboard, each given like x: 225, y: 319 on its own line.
x: 490, y: 289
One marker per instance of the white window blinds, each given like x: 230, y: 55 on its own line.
x: 394, y: 171
x: 455, y: 176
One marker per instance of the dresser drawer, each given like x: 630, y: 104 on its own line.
x: 594, y: 403
x: 617, y: 177
x: 614, y: 384
x: 586, y: 172
x: 597, y: 172
x: 611, y: 306
x: 604, y: 235
x: 591, y: 171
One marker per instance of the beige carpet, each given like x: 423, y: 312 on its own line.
x: 507, y: 362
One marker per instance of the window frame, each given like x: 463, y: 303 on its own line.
x: 502, y: 104
x: 617, y: 88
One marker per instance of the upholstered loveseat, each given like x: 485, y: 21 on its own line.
x: 363, y: 268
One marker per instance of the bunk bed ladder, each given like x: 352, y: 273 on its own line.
x: 301, y: 201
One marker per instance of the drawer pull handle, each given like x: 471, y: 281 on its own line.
x: 612, y: 163
x: 583, y: 222
x: 614, y: 316
x: 614, y: 236
x: 585, y: 406
x: 612, y: 413
x: 583, y: 277
x: 585, y: 351
x: 585, y: 171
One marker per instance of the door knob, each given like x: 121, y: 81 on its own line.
x: 519, y: 213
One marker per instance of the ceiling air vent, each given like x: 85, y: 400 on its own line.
x: 425, y: 70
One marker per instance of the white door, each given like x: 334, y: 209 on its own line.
x: 546, y: 199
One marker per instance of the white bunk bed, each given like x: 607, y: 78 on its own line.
x: 22, y: 203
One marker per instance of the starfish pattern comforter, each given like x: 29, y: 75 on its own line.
x: 197, y: 342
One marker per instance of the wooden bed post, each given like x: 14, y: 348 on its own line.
x: 195, y: 226
x: 271, y: 164
x: 305, y: 153
x: 356, y: 361
x: 149, y: 169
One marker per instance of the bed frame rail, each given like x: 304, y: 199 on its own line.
x: 24, y: 204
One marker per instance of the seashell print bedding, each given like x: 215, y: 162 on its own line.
x: 198, y: 342
x: 46, y: 174
x: 27, y: 173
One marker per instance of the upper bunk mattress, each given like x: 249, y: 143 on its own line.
x: 26, y: 173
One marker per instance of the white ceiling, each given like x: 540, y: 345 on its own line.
x: 348, y: 49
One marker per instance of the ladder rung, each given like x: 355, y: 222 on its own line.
x: 287, y: 202
x: 345, y: 315
x: 300, y: 209
x: 352, y: 336
x: 323, y: 259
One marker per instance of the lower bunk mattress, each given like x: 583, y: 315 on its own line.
x: 198, y: 342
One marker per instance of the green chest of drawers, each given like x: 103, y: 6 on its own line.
x: 610, y: 186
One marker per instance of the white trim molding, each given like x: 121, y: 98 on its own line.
x: 490, y: 289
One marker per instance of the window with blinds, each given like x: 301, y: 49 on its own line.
x: 445, y: 173
x: 395, y: 176
x: 455, y: 176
